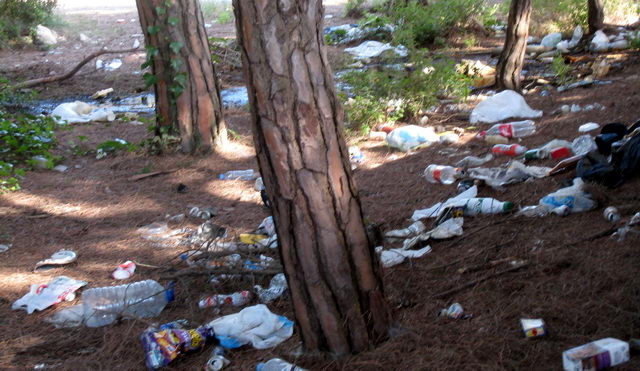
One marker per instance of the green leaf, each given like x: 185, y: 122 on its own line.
x: 176, y: 63
x: 173, y: 21
x: 175, y: 47
x: 160, y: 10
x: 153, y: 30
x: 150, y: 79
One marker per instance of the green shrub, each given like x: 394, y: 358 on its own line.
x: 354, y: 8
x: 18, y: 18
x: 561, y: 70
x: 394, y: 93
x: 558, y: 15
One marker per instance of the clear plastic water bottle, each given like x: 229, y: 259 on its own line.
x: 277, y: 364
x: 441, y: 174
x: 517, y: 129
x: 508, y: 149
x: 238, y: 174
x: 143, y: 299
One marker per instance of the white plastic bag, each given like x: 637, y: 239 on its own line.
x: 504, y: 105
x: 43, y: 296
x: 392, y: 257
x: 574, y: 197
x: 254, y: 325
x: 434, y: 210
x: 600, y: 42
x: 407, y: 137
x: 75, y: 112
x: 372, y: 49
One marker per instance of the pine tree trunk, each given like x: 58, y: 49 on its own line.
x: 331, y: 267
x: 596, y: 16
x: 512, y: 56
x: 187, y: 92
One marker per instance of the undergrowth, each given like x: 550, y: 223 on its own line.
x: 18, y: 18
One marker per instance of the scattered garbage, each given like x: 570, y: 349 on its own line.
x: 533, y: 328
x: 124, y: 271
x: 348, y: 33
x: 217, y: 361
x: 102, y: 93
x: 373, y: 49
x: 167, y: 342
x: 46, y: 36
x: 236, y: 299
x: 355, y: 156
x: 451, y: 227
x: 485, y: 205
x: 239, y: 175
x: 496, y: 139
x: 555, y: 149
x: 514, y: 172
x: 277, y: 364
x: 454, y: 311
x: 442, y: 174
x: 276, y: 289
x: 59, y: 258
x: 597, y: 355
x: 113, y: 65
x: 41, y: 297
x: 508, y: 150
x: 4, y: 248
x: 410, y: 137
x: 583, y: 145
x: 589, y: 126
x: 482, y: 75
x: 392, y: 257
x: 517, y: 129
x: 474, y: 161
x: 600, y: 42
x: 543, y: 210
x: 68, y: 317
x: 235, y: 97
x: 434, y: 211
x: 551, y: 40
x: 502, y: 106
x: 573, y: 197
x: 267, y: 227
x: 254, y: 325
x: 143, y: 299
x: 206, y: 214
x: 79, y: 112
x: 612, y: 214
x: 583, y: 83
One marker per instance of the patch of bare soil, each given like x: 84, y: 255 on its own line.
x: 585, y: 287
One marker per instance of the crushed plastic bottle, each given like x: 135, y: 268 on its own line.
x: 236, y: 299
x: 543, y: 210
x: 143, y: 299
x: 473, y: 161
x: 454, y: 311
x: 442, y: 174
x: 412, y: 230
x: 574, y: 197
x: 597, y: 355
x: 517, y: 129
x: 277, y: 287
x: 508, y: 149
x: 277, y: 364
x: 583, y: 145
x: 239, y: 175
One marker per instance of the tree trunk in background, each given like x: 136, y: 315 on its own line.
x: 512, y: 56
x: 333, y: 272
x: 186, y: 88
x: 596, y: 16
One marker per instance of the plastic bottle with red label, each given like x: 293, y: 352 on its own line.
x: 236, y: 299
x: 509, y: 150
x: 517, y: 129
x: 442, y: 174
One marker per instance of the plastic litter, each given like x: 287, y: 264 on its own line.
x: 583, y: 145
x: 41, y: 297
x: 113, y: 65
x: 496, y: 139
x: 217, y: 361
x: 237, y: 299
x: 59, y: 258
x: 373, y: 49
x: 516, y: 129
x: 409, y: 137
x: 251, y: 239
x: 600, y: 42
x: 124, y: 271
x: 254, y: 325
x: 611, y: 214
x: 446, y: 229
x: 277, y: 287
x: 515, y: 172
x: 589, y: 126
x: 434, y: 211
x: 533, y: 328
x: 239, y: 174
x: 574, y: 197
x: 167, y: 342
x: 551, y: 40
x: 102, y: 93
x: 392, y: 257
x: 597, y: 355
x: 473, y: 161
x: 79, y: 112
x: 556, y: 149
x: 4, y: 248
x: 508, y: 150
x: 454, y: 311
x: 502, y: 106
x: 356, y: 156
x: 486, y: 205
x: 442, y: 174
x: 543, y: 210
x: 412, y: 230
x: 143, y: 299
x: 348, y: 33
x: 67, y: 317
x: 277, y: 364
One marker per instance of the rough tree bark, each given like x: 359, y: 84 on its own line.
x: 596, y: 15
x: 512, y: 56
x: 187, y: 92
x: 331, y: 267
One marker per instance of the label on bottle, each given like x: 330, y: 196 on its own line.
x: 437, y: 173
x: 597, y: 362
x: 506, y: 130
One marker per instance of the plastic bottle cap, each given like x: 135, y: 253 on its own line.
x: 221, y: 176
x: 507, y: 206
x: 482, y: 134
x: 169, y: 292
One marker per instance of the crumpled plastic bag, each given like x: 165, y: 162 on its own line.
x: 600, y: 42
x: 166, y: 343
x: 434, y: 210
x: 41, y: 297
x: 574, y: 197
x: 372, y: 49
x: 254, y: 325
x: 392, y: 257
x: 504, y: 105
x: 408, y: 137
x: 449, y: 228
x: 516, y: 172
x: 277, y: 287
x: 77, y: 112
x: 67, y: 317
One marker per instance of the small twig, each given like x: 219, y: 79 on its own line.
x: 45, y: 80
x: 593, y: 237
x: 477, y: 281
x: 221, y: 270
x: 149, y: 175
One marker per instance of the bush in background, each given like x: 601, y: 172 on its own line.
x: 18, y: 18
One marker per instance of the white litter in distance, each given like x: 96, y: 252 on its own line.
x: 76, y: 112
x: 504, y: 105
x: 372, y: 49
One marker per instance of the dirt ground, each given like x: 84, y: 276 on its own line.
x: 584, y: 287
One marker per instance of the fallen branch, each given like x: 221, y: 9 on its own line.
x: 135, y: 178
x: 49, y: 79
x: 477, y: 281
x: 209, y: 271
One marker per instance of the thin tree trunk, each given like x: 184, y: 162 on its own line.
x: 512, y: 56
x: 596, y: 15
x: 331, y: 267
x: 186, y: 87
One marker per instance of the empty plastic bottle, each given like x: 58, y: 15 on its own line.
x: 238, y: 174
x: 143, y: 299
x: 508, y: 149
x: 574, y: 197
x: 485, y: 205
x: 517, y: 129
x: 277, y: 364
x: 237, y: 299
x: 442, y: 174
